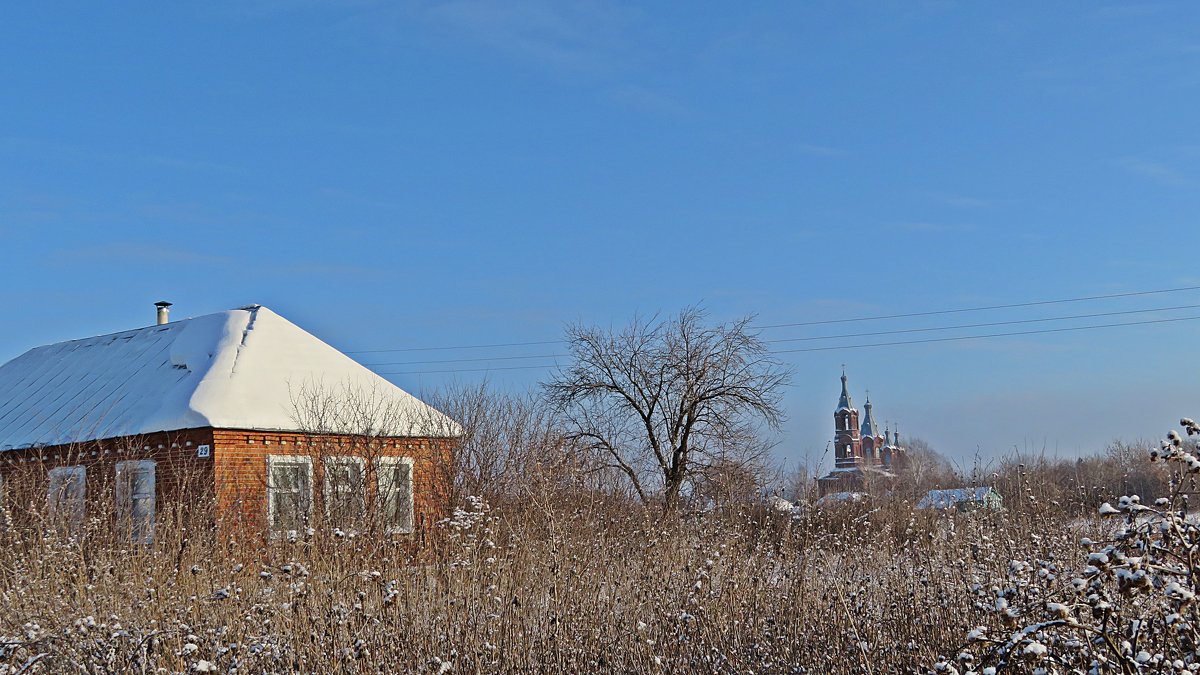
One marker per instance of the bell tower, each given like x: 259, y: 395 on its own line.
x: 847, y: 442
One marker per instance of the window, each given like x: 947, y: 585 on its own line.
x: 64, y: 500
x: 135, y: 499
x: 395, y: 483
x: 289, y: 492
x: 344, y: 491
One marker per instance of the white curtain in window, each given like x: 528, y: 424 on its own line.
x: 135, y: 498
x: 289, y: 492
x: 344, y: 491
x: 65, y: 498
x: 395, y: 487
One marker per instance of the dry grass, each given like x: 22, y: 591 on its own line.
x: 560, y: 574
x: 584, y: 586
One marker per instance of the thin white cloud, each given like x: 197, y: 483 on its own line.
x: 567, y: 34
x: 1130, y: 10
x: 1157, y: 171
x: 819, y: 150
x: 82, y: 153
x: 964, y: 201
x: 144, y: 254
x: 356, y: 199
x: 134, y: 253
x: 931, y: 227
x: 648, y: 100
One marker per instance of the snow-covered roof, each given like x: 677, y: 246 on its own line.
x: 870, y: 428
x: 844, y: 402
x: 241, y: 369
x: 861, y: 469
x: 780, y: 504
x: 841, y: 497
x: 940, y: 499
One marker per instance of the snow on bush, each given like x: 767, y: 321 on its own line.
x: 1126, y: 605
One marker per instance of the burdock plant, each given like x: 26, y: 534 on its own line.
x: 1128, y: 607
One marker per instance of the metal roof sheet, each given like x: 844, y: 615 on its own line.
x: 245, y: 368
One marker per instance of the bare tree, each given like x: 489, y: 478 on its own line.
x: 510, y: 446
x: 365, y: 445
x: 723, y: 485
x: 800, y: 484
x: 662, y: 401
x: 923, y: 468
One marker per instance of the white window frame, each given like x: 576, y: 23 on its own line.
x: 55, y: 494
x: 124, y: 500
x: 286, y: 460
x: 328, y: 487
x: 381, y: 491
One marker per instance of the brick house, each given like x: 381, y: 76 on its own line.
x: 280, y: 431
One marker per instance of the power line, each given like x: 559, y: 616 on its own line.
x: 981, y: 309
x: 469, y: 370
x: 813, y: 323
x: 859, y: 346
x: 432, y: 349
x: 983, y: 325
x: 989, y: 335
x: 488, y: 358
x: 821, y: 337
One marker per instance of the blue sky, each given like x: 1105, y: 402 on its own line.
x: 411, y: 174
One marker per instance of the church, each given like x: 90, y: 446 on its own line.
x: 862, y: 455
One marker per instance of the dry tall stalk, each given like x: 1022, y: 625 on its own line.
x: 595, y: 586
x: 555, y: 571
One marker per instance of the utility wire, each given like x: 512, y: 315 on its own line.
x: 488, y: 358
x: 981, y: 325
x: 980, y: 309
x: 433, y: 349
x: 470, y: 370
x: 813, y: 323
x: 858, y: 346
x: 823, y: 337
x: 989, y: 335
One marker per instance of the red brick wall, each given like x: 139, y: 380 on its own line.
x: 846, y: 433
x: 178, y: 468
x: 241, y: 470
x: 236, y: 468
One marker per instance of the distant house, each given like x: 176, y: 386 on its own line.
x: 781, y: 505
x: 839, y: 498
x: 962, y: 499
x: 283, y: 430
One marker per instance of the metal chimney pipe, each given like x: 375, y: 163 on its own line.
x: 164, y: 309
